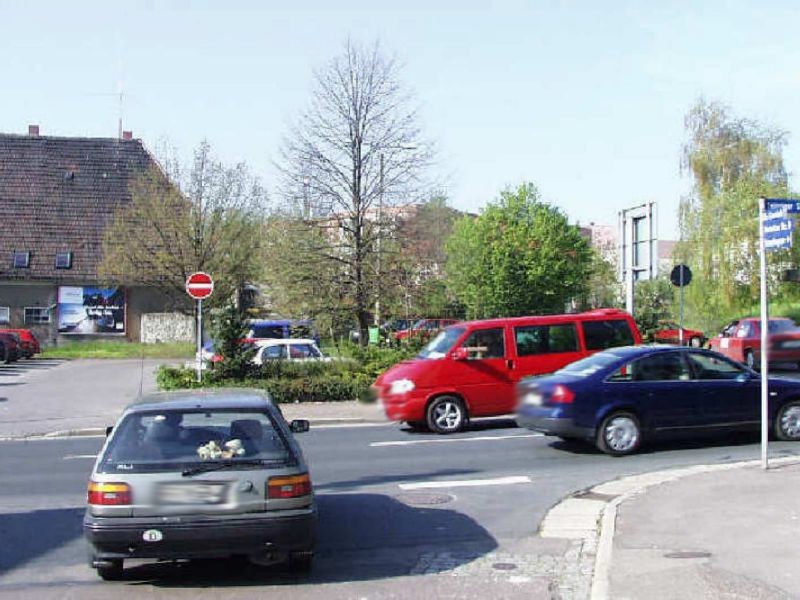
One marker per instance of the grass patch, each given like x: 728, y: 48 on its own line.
x: 120, y: 349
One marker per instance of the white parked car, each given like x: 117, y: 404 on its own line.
x: 288, y: 349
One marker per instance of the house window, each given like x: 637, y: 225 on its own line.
x: 63, y: 260
x: 5, y: 315
x: 22, y: 260
x: 35, y: 315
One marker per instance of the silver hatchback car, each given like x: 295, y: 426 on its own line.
x: 200, y: 474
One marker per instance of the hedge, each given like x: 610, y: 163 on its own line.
x: 347, y: 378
x: 317, y: 388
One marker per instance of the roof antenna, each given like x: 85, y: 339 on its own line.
x: 119, y: 122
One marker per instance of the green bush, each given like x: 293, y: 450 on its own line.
x: 348, y: 378
x: 176, y: 378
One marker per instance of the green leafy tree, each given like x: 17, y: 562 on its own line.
x: 520, y: 256
x: 653, y: 300
x: 229, y: 327
x: 733, y: 161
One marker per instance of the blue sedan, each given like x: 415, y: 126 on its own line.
x: 621, y: 397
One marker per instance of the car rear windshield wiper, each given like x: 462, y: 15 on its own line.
x: 229, y: 464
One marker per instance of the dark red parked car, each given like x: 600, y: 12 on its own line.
x: 669, y: 333
x: 28, y: 343
x: 424, y: 326
x: 10, y: 347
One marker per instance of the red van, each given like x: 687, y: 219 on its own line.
x: 471, y: 369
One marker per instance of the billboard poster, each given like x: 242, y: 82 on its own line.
x: 91, y: 310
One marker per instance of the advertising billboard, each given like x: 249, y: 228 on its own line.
x: 91, y: 310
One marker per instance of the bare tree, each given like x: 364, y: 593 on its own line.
x: 178, y: 222
x: 353, y: 156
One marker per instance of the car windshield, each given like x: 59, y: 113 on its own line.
x: 590, y: 365
x: 439, y: 346
x: 781, y: 325
x: 418, y: 324
x: 177, y: 439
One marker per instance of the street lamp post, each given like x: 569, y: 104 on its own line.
x: 380, y: 240
x: 381, y: 184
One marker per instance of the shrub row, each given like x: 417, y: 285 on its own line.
x: 321, y: 387
x: 348, y: 378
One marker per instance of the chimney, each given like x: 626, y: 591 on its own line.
x: 127, y: 135
x: 33, y: 130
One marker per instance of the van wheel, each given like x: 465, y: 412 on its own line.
x: 446, y: 414
x: 619, y: 434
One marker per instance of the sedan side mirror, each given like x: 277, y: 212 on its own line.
x: 299, y: 426
x: 109, y: 429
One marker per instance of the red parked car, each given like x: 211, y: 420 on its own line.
x: 28, y: 343
x: 424, y: 326
x: 669, y: 333
x: 741, y: 340
x: 471, y: 369
x: 10, y: 350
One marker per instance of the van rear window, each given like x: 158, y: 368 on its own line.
x: 600, y: 335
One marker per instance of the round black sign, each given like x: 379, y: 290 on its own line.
x: 681, y: 275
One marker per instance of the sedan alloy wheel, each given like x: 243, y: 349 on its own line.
x: 619, y: 434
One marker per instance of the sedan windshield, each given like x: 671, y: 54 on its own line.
x: 177, y: 440
x: 439, y: 346
x: 590, y: 365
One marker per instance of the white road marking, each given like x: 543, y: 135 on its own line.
x: 421, y: 485
x: 448, y: 440
x: 74, y: 456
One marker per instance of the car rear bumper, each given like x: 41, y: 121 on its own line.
x: 562, y: 427
x: 201, y: 537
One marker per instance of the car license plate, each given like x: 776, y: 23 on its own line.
x: 533, y: 398
x: 192, y: 493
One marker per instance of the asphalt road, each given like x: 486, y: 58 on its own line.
x: 398, y: 511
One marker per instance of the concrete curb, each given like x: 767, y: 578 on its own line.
x: 591, y: 515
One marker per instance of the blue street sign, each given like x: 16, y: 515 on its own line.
x: 786, y: 204
x: 783, y: 243
x: 778, y: 228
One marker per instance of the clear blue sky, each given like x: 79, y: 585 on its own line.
x: 585, y: 99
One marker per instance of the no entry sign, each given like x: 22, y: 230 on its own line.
x: 199, y: 285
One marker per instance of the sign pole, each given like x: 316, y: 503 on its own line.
x: 680, y: 316
x: 762, y: 210
x: 199, y: 341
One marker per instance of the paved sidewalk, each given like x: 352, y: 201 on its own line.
x: 721, y: 534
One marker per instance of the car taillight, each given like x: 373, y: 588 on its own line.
x: 562, y: 395
x: 290, y: 486
x: 109, y: 494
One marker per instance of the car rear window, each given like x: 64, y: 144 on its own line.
x: 586, y: 367
x: 600, y: 335
x: 174, y: 439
